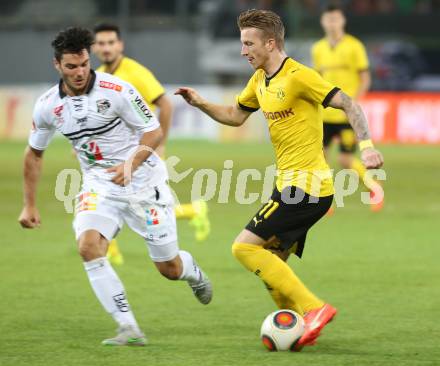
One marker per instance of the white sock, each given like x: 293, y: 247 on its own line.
x: 190, y: 271
x: 110, y: 291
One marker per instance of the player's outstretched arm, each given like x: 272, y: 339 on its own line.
x: 371, y: 157
x: 33, y: 159
x: 227, y: 115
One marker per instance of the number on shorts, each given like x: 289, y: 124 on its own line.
x: 269, y: 209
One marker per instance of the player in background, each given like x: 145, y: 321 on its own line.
x: 342, y: 60
x: 109, y: 48
x: 290, y: 96
x: 113, y: 134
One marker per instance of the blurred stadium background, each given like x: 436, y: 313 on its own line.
x: 188, y: 41
x: 381, y: 269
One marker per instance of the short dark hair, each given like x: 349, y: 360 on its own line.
x: 107, y: 27
x: 72, y: 40
x: 332, y: 7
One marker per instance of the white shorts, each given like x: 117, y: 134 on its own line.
x: 149, y: 213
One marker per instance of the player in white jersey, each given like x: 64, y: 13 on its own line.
x: 114, y: 135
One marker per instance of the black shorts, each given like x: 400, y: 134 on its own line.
x: 345, y: 133
x: 288, y: 216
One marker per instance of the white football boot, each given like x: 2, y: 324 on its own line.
x: 127, y: 336
x: 202, y: 290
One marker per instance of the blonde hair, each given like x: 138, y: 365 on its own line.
x: 266, y: 20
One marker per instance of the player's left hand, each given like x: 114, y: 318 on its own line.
x: 371, y: 158
x: 122, y: 174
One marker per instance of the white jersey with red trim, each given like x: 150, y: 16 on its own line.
x: 104, y: 126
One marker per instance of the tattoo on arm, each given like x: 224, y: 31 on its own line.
x: 355, y: 115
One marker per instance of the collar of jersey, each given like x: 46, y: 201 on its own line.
x: 343, y: 38
x: 121, y: 61
x: 268, y: 78
x: 89, y: 87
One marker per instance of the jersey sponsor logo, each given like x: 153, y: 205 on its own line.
x: 279, y: 114
x: 57, y: 111
x: 102, y: 105
x: 109, y: 85
x: 152, y: 217
x: 141, y: 108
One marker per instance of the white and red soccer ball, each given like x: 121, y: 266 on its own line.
x: 281, y: 330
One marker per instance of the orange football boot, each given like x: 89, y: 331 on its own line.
x: 315, y: 320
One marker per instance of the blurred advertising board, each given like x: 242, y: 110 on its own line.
x: 394, y: 117
x: 403, y: 117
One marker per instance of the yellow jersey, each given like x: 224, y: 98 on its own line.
x: 340, y: 65
x: 140, y: 77
x: 291, y: 101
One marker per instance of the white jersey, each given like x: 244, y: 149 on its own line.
x: 104, y: 126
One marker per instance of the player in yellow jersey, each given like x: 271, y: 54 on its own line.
x: 342, y: 60
x: 291, y: 97
x: 109, y: 49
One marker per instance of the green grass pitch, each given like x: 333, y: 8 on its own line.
x: 380, y: 270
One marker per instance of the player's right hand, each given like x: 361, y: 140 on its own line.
x: 29, y: 218
x: 371, y: 158
x: 190, y: 95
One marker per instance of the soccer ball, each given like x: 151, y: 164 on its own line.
x: 281, y: 330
